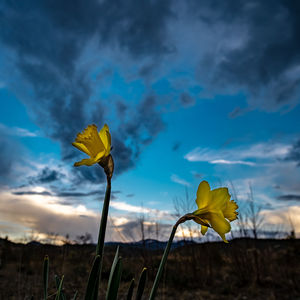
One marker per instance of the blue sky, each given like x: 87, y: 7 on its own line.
x: 191, y: 91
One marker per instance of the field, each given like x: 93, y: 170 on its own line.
x: 242, y: 269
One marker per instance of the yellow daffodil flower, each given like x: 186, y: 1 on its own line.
x: 95, y: 144
x: 215, y: 208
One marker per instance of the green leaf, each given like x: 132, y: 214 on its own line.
x: 58, y: 294
x: 45, y: 276
x: 113, y: 267
x: 93, y: 278
x: 75, y: 295
x: 141, y: 285
x: 57, y: 282
x: 130, y: 290
x: 114, y: 277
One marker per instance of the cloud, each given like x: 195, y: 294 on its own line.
x: 60, y: 194
x: 47, y: 175
x: 289, y: 197
x: 232, y: 162
x: 247, y: 53
x: 123, y: 206
x: 50, y: 55
x: 175, y: 178
x: 10, y: 159
x: 294, y: 153
x: 186, y: 100
x: 251, y: 155
x: 176, y: 146
x: 130, y: 195
x: 53, y: 61
x: 48, y: 217
x: 286, y: 217
x: 17, y: 131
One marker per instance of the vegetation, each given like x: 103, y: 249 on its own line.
x: 244, y: 269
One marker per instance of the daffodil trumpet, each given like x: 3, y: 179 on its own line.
x: 97, y: 145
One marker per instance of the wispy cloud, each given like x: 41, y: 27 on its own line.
x: 175, y: 178
x: 232, y: 162
x: 121, y: 205
x: 287, y: 218
x: 44, y: 215
x: 18, y: 131
x: 251, y: 156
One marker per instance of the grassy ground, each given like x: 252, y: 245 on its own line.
x: 243, y: 269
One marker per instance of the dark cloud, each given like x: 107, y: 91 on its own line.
x: 176, y: 146
x: 48, y: 39
x: 66, y: 194
x: 294, y: 154
x: 186, y: 100
x: 289, y: 197
x: 60, y: 194
x: 10, y: 158
x: 21, y: 193
x: 148, y: 119
x: 6, y: 158
x: 47, y: 175
x: 256, y: 58
x: 197, y: 175
x: 121, y: 108
x: 130, y: 195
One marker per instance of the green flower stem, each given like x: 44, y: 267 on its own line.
x: 103, y: 223
x: 102, y: 230
x: 166, y: 253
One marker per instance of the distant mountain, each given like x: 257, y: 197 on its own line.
x: 151, y: 244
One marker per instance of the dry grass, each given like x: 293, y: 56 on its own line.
x: 243, y: 269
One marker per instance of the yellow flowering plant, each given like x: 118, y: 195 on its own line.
x: 215, y: 210
x: 97, y: 145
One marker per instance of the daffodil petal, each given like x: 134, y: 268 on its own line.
x: 230, y: 212
x: 219, y: 199
x: 203, y: 194
x: 203, y: 229
x: 85, y: 134
x: 218, y: 223
x: 91, y: 140
x: 105, y: 138
x: 86, y: 162
x: 82, y: 148
x: 200, y: 221
x: 99, y: 156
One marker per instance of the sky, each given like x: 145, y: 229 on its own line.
x: 191, y: 91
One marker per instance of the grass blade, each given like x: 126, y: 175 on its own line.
x: 93, y: 279
x: 113, y: 267
x: 58, y: 294
x: 45, y: 276
x: 114, y: 278
x: 75, y: 295
x: 141, y: 285
x: 57, y: 283
x: 130, y: 290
